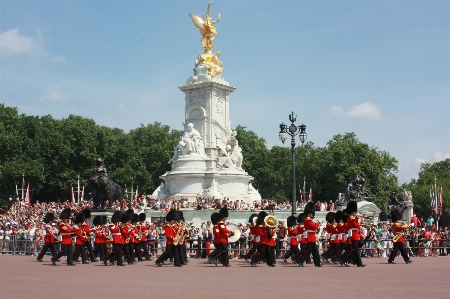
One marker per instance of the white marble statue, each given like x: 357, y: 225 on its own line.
x: 236, y: 154
x: 225, y: 159
x: 191, y: 143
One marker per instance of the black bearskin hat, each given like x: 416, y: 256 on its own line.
x: 97, y: 220
x: 180, y: 215
x: 65, y: 214
x: 142, y: 217
x: 223, y: 212
x: 124, y: 218
x: 310, y: 208
x: 330, y: 217
x: 116, y: 217
x: 344, y: 215
x: 215, y: 218
x: 300, y: 218
x: 129, y: 215
x: 250, y: 220
x: 396, y: 216
x: 49, y: 217
x: 261, y: 217
x: 135, y: 218
x: 291, y: 221
x: 171, y: 215
x: 104, y: 220
x: 79, y: 218
x: 338, y: 216
x: 352, y: 207
x: 87, y: 213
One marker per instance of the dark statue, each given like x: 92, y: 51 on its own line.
x: 103, y: 190
x: 355, y: 192
x: 395, y: 205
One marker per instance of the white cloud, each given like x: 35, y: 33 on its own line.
x: 365, y: 110
x: 336, y: 111
x: 53, y: 94
x: 439, y: 156
x: 60, y: 58
x: 420, y: 161
x: 11, y: 43
x: 121, y: 107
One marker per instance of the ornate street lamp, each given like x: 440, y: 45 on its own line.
x: 292, y: 130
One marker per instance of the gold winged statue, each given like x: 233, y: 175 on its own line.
x: 208, y: 31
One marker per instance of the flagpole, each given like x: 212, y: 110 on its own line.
x: 23, y: 185
x: 436, y: 203
x: 78, y: 191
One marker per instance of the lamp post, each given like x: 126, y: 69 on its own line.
x: 293, y: 130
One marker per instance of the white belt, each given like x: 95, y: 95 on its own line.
x: 258, y: 238
x: 305, y: 234
x: 252, y: 237
x: 327, y: 235
x: 350, y: 233
x: 333, y: 237
x: 65, y: 234
x: 116, y: 234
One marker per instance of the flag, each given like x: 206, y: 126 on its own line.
x: 137, y: 193
x: 310, y: 194
x: 431, y: 200
x: 82, y: 194
x: 17, y: 191
x: 440, y: 202
x: 27, y: 197
x: 72, y: 196
x: 23, y: 187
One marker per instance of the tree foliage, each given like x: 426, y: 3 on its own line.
x: 420, y: 188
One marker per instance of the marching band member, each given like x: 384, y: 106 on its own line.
x: 330, y: 228
x: 271, y: 244
x: 292, y: 236
x: 261, y: 238
x: 310, y: 235
x: 353, y: 224
x: 80, y: 239
x: 87, y: 231
x: 117, y: 239
x: 222, y: 234
x: 144, y: 229
x: 336, y: 241
x: 66, y: 243
x: 100, y: 237
x: 136, y: 245
x: 252, y: 228
x: 397, y: 229
x: 127, y: 233
x: 49, y: 237
x: 215, y: 218
x: 302, y: 241
x: 171, y: 234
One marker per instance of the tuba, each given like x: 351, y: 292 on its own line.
x: 271, y: 221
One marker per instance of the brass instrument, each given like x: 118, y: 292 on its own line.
x: 397, y: 236
x: 271, y: 221
x: 180, y: 236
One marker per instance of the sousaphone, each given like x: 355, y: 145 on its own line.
x: 237, y: 233
x: 271, y: 221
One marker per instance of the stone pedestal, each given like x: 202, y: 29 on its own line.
x: 208, y: 160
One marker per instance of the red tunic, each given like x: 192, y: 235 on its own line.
x: 87, y: 230
x: 330, y: 229
x: 65, y: 230
x: 341, y: 231
x: 398, y: 228
x: 79, y: 236
x: 49, y: 237
x: 116, y: 234
x: 301, y: 230
x: 254, y: 232
x: 170, y: 234
x: 310, y: 229
x: 292, y: 235
x: 136, y: 239
x: 353, y: 228
x: 144, y: 232
x: 100, y: 235
x: 263, y: 235
x: 216, y: 234
x: 273, y: 238
x: 223, y: 233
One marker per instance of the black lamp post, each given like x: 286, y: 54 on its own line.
x: 292, y: 130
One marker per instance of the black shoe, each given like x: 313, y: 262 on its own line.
x: 39, y: 260
x: 362, y: 265
x: 319, y: 265
x: 76, y: 261
x: 409, y: 262
x: 253, y: 264
x: 392, y: 262
x: 309, y: 262
x: 227, y: 265
x: 215, y: 262
x: 105, y: 262
x: 158, y: 264
x: 73, y: 264
x: 94, y: 261
x: 121, y: 265
x: 300, y: 265
x: 53, y: 262
x: 85, y: 262
x: 346, y: 264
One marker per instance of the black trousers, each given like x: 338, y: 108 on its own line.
x: 311, y: 248
x: 144, y: 246
x: 223, y: 255
x: 137, y: 251
x: 355, y: 253
x: 88, y: 245
x: 279, y: 245
x: 292, y: 251
x: 79, y: 249
x: 47, y: 246
x: 127, y: 249
x: 166, y: 254
x: 116, y: 254
x: 269, y: 255
x: 176, y: 255
x: 67, y: 250
x: 100, y: 249
x: 398, y: 246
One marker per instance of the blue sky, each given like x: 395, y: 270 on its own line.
x: 380, y: 69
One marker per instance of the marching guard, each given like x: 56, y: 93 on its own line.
x: 144, y: 229
x: 49, y: 237
x: 87, y: 231
x: 117, y: 239
x: 310, y: 235
x: 222, y: 234
x: 397, y: 229
x: 353, y: 225
x: 66, y: 232
x: 80, y: 238
x: 292, y: 237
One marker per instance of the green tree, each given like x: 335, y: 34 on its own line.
x: 420, y: 188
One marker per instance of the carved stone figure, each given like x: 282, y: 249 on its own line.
x: 102, y: 189
x: 355, y: 191
x: 236, y: 154
x: 191, y: 143
x: 225, y: 160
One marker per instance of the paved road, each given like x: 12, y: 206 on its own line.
x: 23, y: 277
